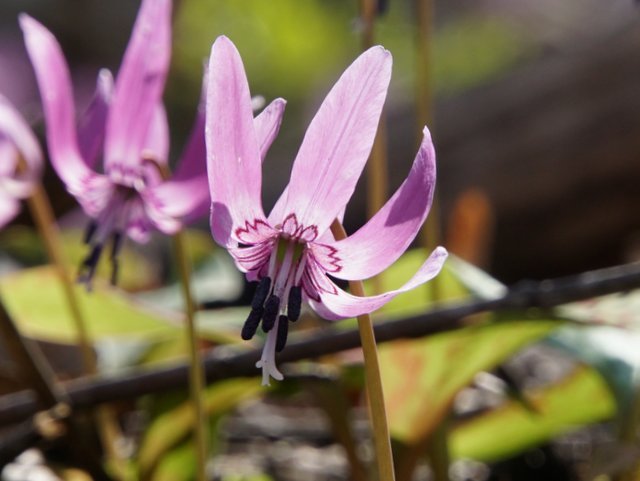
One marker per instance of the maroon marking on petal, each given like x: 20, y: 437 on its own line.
x: 309, y: 234
x: 290, y: 226
x: 252, y: 232
x: 292, y: 229
x: 309, y: 289
x: 326, y: 257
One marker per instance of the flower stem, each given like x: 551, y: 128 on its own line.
x: 43, y: 217
x: 42, y: 213
x: 196, y: 376
x: 381, y: 439
x: 196, y: 372
x: 377, y: 175
x: 430, y: 235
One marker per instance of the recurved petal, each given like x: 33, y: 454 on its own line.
x: 340, y: 304
x: 184, y: 199
x: 267, y: 124
x: 139, y: 84
x: 54, y: 83
x: 383, y: 239
x: 18, y: 142
x: 91, y: 129
x: 338, y: 141
x: 233, y: 152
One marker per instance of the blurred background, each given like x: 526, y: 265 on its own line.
x: 536, y: 121
x: 535, y: 115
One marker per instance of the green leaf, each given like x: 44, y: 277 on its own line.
x: 581, y: 398
x: 421, y: 377
x: 35, y: 299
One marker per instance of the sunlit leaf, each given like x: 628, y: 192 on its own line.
x: 35, y: 299
x: 421, y: 377
x: 581, y: 398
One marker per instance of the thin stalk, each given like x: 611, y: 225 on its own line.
x: 42, y: 214
x: 377, y: 174
x: 45, y: 222
x: 430, y: 235
x: 196, y: 376
x: 196, y: 372
x: 381, y: 439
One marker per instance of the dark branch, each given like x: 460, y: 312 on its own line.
x: 226, y: 363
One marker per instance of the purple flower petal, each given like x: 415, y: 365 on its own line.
x: 17, y: 141
x: 382, y: 240
x: 233, y: 151
x: 54, y: 83
x: 267, y: 124
x: 156, y: 144
x: 92, y: 126
x: 341, y: 305
x: 139, y: 86
x: 338, y: 141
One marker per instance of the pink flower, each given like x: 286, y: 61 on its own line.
x: 292, y: 252
x: 129, y: 195
x: 20, y: 161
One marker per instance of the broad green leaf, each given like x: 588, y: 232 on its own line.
x: 177, y: 465
x: 171, y: 428
x: 421, y: 377
x: 35, y: 299
x: 581, y: 398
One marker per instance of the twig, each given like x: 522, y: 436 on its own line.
x: 225, y: 364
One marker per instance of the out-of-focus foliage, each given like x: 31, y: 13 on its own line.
x: 423, y: 376
x: 167, y: 433
x: 36, y: 301
x: 291, y: 47
x: 582, y: 398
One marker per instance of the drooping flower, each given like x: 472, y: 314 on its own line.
x: 291, y: 253
x: 20, y: 161
x: 129, y: 194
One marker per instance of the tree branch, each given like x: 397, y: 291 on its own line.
x: 224, y: 363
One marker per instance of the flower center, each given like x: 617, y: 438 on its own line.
x: 110, y: 224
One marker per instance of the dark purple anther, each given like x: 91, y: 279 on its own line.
x: 283, y: 331
x: 294, y: 303
x: 262, y: 291
x: 271, y: 308
x: 251, y: 324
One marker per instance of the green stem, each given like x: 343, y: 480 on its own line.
x: 430, y: 236
x: 196, y: 377
x: 373, y: 379
x: 377, y: 174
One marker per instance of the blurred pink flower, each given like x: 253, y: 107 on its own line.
x: 292, y: 252
x: 20, y: 161
x: 131, y: 195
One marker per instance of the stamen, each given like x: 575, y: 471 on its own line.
x: 251, y: 324
x: 115, y: 248
x: 283, y: 331
x: 262, y: 291
x: 271, y: 308
x: 294, y: 303
x: 89, y: 264
x: 90, y: 232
